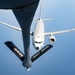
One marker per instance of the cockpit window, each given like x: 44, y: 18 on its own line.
x: 38, y: 42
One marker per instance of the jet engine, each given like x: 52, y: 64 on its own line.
x: 52, y: 39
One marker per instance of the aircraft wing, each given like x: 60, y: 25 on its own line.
x: 58, y: 32
x: 13, y: 27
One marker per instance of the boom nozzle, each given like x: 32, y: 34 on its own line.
x: 28, y: 69
x: 27, y: 64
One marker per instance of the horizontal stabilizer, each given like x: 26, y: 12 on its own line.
x: 41, y: 52
x: 15, y: 50
x: 48, y: 19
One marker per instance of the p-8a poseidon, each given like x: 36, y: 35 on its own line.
x: 38, y: 35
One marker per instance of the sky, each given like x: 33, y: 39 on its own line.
x: 60, y: 60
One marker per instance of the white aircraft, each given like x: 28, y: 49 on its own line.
x: 38, y: 35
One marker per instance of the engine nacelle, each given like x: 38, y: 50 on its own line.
x: 52, y: 39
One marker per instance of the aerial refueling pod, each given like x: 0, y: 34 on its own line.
x: 21, y: 56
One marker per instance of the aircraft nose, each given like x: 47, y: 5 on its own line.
x: 37, y: 48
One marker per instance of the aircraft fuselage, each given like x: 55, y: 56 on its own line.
x: 38, y: 36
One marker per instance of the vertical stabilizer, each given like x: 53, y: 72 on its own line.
x: 40, y: 10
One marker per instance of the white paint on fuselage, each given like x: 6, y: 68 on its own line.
x: 38, y: 36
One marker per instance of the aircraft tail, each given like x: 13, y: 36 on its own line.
x: 40, y: 14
